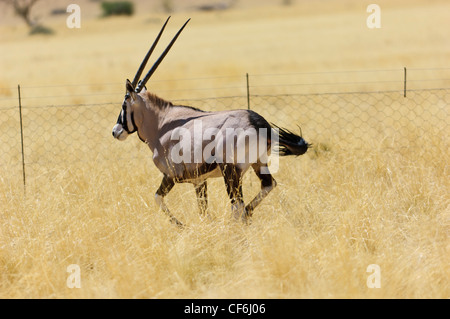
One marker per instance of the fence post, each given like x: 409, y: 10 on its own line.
x: 404, y: 81
x: 248, y: 92
x: 21, y: 140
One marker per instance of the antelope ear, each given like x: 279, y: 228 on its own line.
x: 130, y: 89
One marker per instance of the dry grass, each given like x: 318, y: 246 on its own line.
x: 313, y: 237
x: 335, y: 211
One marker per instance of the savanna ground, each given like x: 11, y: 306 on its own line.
x: 378, y: 196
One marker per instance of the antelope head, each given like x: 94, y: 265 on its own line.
x: 125, y: 123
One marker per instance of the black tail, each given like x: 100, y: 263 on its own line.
x: 290, y: 143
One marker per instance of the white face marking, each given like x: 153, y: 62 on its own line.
x: 119, y: 133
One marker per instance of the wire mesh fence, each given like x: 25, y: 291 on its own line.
x: 352, y: 120
x: 63, y: 134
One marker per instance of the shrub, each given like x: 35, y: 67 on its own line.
x: 40, y: 29
x: 117, y: 8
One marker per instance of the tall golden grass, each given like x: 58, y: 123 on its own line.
x: 336, y: 210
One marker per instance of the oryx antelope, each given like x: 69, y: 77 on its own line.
x: 191, y: 145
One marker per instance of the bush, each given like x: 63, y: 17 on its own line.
x: 117, y: 8
x: 40, y: 29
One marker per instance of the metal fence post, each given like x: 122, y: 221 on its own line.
x: 248, y: 105
x: 248, y: 92
x: 404, y: 82
x: 21, y: 139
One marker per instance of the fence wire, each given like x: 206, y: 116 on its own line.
x: 64, y: 134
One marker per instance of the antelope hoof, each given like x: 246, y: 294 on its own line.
x: 247, y: 218
x: 175, y: 221
x: 243, y: 215
x: 207, y: 217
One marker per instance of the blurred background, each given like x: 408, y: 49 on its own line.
x: 227, y: 38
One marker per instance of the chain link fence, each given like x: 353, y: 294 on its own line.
x: 61, y: 135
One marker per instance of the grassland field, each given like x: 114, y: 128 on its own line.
x: 365, y: 194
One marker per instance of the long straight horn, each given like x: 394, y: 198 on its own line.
x: 155, y: 66
x: 147, y: 56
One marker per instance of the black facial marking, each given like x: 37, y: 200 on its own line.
x: 123, y: 117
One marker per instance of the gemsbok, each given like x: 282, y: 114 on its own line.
x: 190, y: 145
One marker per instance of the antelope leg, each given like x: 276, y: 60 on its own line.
x: 267, y: 184
x: 202, y: 198
x: 233, y: 182
x: 166, y: 185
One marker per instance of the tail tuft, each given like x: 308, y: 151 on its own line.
x: 290, y: 143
